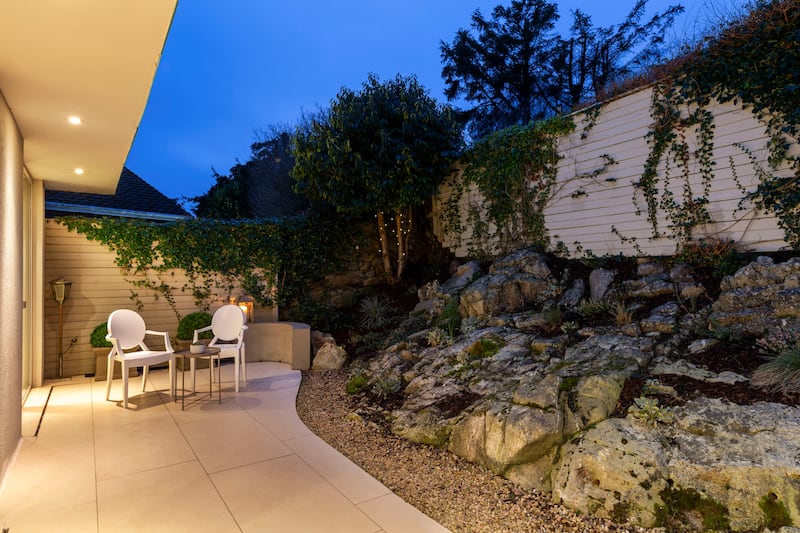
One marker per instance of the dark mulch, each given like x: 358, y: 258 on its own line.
x: 740, y: 358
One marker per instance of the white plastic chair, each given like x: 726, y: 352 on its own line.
x: 126, y: 330
x: 228, y: 325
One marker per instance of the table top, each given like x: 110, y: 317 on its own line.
x: 187, y: 352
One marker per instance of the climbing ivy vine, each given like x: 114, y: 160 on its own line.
x: 755, y: 62
x: 514, y: 169
x: 675, y: 121
x: 273, y: 260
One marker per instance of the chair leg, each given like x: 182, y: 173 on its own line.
x: 109, y: 375
x: 124, y: 385
x: 244, y: 367
x: 236, y: 372
x: 144, y: 377
x: 173, y: 377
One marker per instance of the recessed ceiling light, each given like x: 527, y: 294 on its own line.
x: 79, y: 171
x: 74, y: 120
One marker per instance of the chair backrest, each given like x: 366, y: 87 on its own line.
x: 127, y: 327
x: 227, y: 322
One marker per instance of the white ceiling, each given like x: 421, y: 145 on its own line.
x: 92, y: 58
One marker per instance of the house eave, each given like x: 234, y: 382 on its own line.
x: 111, y: 212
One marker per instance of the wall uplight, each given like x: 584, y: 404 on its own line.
x: 74, y: 120
x: 79, y: 171
x: 245, y: 303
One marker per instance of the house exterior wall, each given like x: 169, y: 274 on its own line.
x: 11, y: 282
x: 98, y: 288
x: 582, y: 211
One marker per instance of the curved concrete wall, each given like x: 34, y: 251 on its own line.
x: 10, y: 285
x: 285, y: 342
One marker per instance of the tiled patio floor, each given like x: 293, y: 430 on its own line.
x: 248, y: 464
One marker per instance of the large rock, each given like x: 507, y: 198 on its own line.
x: 738, y: 455
x: 573, y: 296
x: 319, y: 339
x: 592, y: 400
x: 759, y: 297
x: 503, y: 293
x: 514, y: 282
x: 503, y: 435
x: 663, y: 319
x: 329, y: 357
x: 525, y: 261
x: 734, y: 455
x: 607, y: 353
x: 463, y: 276
x: 763, y: 272
x: 615, y: 470
x: 431, y: 408
x: 599, y: 282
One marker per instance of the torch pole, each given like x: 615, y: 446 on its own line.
x: 60, y: 340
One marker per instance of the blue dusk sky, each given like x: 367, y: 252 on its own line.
x: 233, y: 69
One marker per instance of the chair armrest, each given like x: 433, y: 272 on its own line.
x: 165, y: 334
x: 200, y: 330
x: 115, y: 348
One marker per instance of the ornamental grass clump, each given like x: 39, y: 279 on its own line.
x: 376, y: 312
x: 781, y: 374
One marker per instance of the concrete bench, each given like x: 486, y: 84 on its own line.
x: 286, y: 342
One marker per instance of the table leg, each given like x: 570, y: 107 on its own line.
x: 183, y: 383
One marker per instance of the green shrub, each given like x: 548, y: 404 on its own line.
x: 484, y: 348
x: 436, y: 337
x: 319, y: 315
x: 552, y: 319
x: 713, y: 257
x: 650, y: 412
x: 385, y: 388
x: 450, y: 319
x: 98, y: 337
x: 356, y: 383
x: 191, y: 322
x: 595, y: 308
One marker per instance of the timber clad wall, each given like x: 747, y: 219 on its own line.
x: 582, y: 211
x: 98, y: 288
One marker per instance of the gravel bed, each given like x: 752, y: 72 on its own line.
x: 464, y: 497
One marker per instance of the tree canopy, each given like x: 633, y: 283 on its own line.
x: 383, y: 149
x: 514, y: 68
x: 227, y: 198
x: 259, y: 188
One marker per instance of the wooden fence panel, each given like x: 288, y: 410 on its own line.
x: 98, y: 288
x: 606, y: 213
